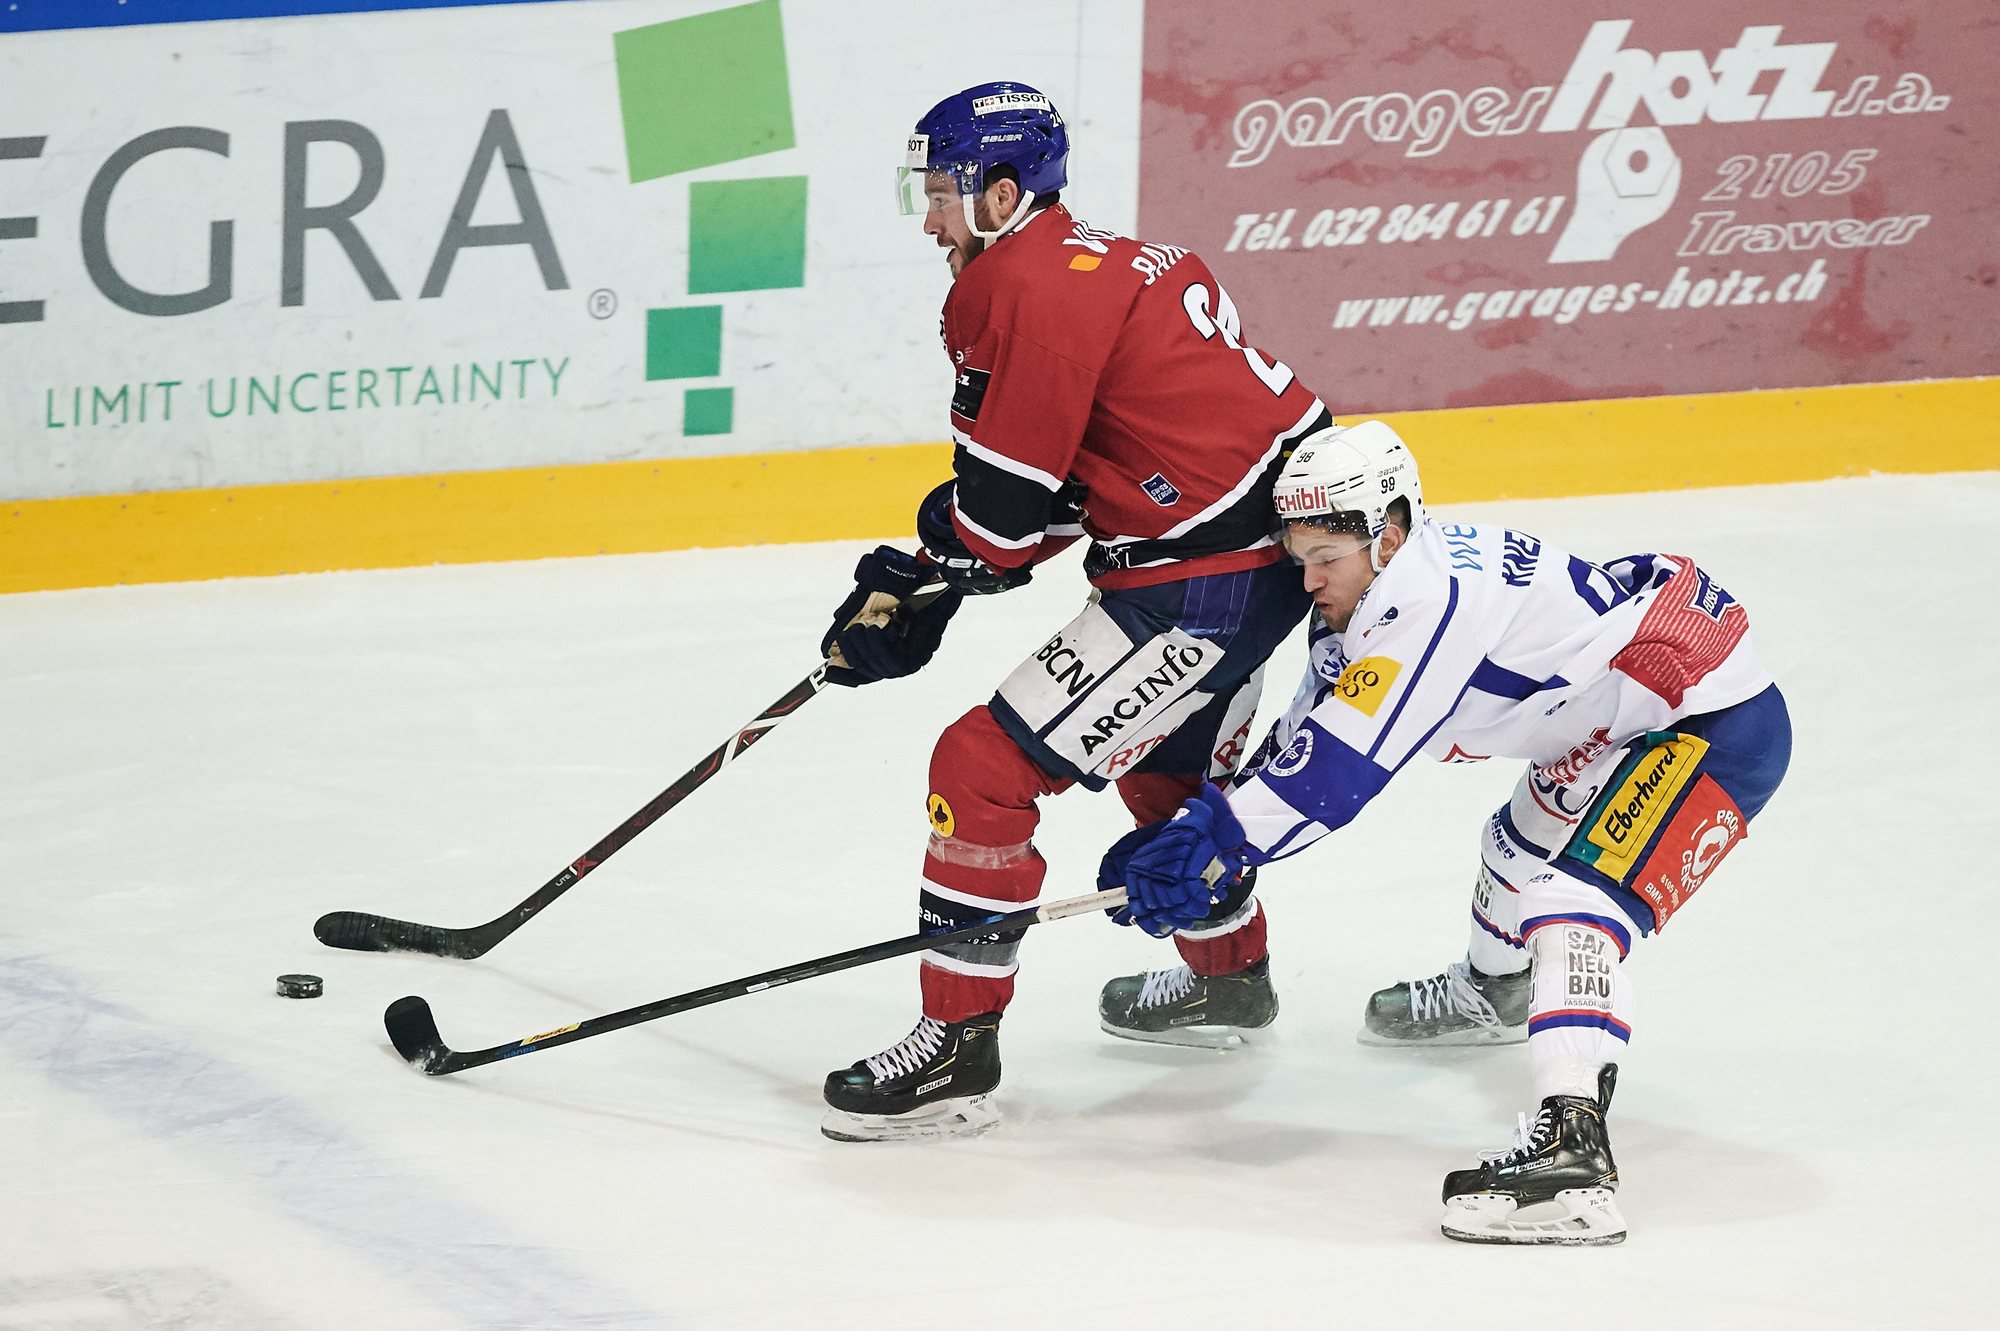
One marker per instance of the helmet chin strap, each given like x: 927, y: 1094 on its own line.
x: 1020, y: 215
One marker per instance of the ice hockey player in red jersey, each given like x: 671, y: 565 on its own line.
x: 1103, y: 389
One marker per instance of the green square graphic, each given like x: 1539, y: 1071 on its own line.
x: 684, y: 343
x: 708, y: 410
x: 702, y: 90
x: 747, y: 235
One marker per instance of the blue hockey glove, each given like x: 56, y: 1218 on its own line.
x: 874, y: 648
x: 956, y: 564
x: 1111, y: 869
x: 1165, y: 876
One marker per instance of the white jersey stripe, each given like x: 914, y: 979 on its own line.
x: 1002, y: 542
x: 1014, y: 466
x: 1241, y: 488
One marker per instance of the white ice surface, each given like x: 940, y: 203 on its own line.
x: 194, y: 773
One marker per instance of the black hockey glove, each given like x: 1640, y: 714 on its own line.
x: 884, y: 639
x: 956, y: 564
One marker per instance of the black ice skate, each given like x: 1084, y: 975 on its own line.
x: 934, y: 1082
x: 1557, y: 1184
x: 1179, y: 1007
x: 1462, y: 1006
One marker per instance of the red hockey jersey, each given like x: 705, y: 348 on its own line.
x: 1090, y: 362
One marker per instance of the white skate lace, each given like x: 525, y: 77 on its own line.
x: 1451, y: 994
x: 1528, y: 1138
x: 1166, y: 986
x: 909, y: 1053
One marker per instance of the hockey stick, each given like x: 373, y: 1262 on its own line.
x: 413, y: 1030
x: 360, y: 932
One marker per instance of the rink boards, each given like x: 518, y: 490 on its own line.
x: 575, y: 291
x: 1535, y: 451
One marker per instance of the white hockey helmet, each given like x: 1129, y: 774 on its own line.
x: 1344, y: 479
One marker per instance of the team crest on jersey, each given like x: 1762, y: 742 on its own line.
x: 1296, y: 755
x: 1160, y: 490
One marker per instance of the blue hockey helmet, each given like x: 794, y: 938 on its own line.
x: 964, y: 138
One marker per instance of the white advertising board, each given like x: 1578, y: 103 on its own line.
x: 336, y: 246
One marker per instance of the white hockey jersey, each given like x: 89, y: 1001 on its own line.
x: 1479, y: 642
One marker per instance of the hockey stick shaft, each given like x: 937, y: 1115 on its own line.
x: 362, y: 932
x: 358, y: 931
x: 413, y: 1029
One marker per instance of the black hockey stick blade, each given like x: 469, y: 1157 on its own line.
x: 413, y: 1030
x: 358, y: 931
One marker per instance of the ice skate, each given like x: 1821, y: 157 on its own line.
x: 935, y: 1082
x: 1177, y: 1006
x: 1557, y: 1184
x: 1462, y: 1006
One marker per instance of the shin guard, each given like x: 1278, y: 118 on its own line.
x: 1580, y: 1015
x: 981, y: 861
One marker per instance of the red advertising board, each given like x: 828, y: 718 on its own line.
x: 1442, y: 204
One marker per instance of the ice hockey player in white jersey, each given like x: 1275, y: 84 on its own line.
x: 1652, y: 738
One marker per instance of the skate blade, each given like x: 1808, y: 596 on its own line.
x: 1479, y: 1035
x: 1192, y: 1037
x: 964, y: 1117
x: 1577, y: 1217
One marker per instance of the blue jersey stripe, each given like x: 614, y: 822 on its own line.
x: 1619, y: 933
x: 1502, y: 682
x: 1409, y: 688
x: 1506, y: 816
x: 1449, y: 713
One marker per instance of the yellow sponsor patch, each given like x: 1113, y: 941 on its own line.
x: 1365, y: 684
x: 1084, y: 263
x: 560, y: 1030
x: 941, y: 820
x: 1624, y: 820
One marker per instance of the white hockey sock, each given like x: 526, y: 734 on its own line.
x: 1494, y: 946
x: 1580, y: 1016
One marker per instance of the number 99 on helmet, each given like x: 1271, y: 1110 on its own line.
x: 1344, y: 479
x: 959, y: 143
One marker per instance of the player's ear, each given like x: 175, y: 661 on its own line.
x: 1003, y: 196
x: 1391, y: 540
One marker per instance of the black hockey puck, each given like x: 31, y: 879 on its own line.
x: 301, y: 986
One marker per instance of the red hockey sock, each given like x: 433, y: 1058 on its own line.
x: 981, y: 861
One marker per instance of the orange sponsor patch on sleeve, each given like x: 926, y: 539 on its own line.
x: 1364, y: 684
